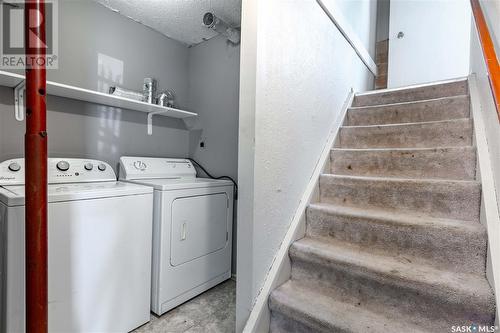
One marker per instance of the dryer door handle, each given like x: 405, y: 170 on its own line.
x: 183, y: 230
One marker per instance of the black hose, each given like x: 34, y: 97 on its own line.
x: 221, y: 177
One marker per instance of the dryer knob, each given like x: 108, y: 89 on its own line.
x: 62, y: 166
x: 140, y: 165
x: 14, y: 167
x: 101, y: 167
x: 88, y: 166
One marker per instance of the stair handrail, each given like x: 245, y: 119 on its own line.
x: 489, y: 53
x: 335, y: 15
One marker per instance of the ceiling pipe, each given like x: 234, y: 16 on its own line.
x: 35, y: 152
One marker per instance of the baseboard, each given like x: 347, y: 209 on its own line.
x: 490, y: 215
x: 259, y: 319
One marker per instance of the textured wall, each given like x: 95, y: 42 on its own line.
x: 213, y: 93
x: 99, y: 48
x: 296, y: 72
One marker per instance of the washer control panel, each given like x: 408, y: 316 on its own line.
x: 60, y: 170
x: 151, y: 167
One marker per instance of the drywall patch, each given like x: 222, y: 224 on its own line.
x: 178, y: 19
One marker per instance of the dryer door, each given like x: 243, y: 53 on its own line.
x: 199, y: 227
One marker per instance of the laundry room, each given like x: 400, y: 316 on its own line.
x: 142, y: 100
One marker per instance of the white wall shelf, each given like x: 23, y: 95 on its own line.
x: 11, y: 80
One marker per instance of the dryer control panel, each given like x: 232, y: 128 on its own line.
x: 151, y: 167
x: 60, y: 171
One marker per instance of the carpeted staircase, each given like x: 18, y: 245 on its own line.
x: 395, y: 243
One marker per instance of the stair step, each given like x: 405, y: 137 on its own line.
x: 399, y: 95
x: 445, y: 108
x: 445, y: 163
x: 394, y: 243
x: 298, y: 308
x: 449, y: 133
x: 356, y: 274
x: 436, y: 198
x: 454, y: 245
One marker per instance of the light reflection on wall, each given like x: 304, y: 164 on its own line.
x: 110, y: 72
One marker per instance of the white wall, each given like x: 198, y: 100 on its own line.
x: 296, y: 71
x: 89, y: 32
x: 213, y: 92
x: 491, y: 11
x: 358, y: 13
x: 436, y: 43
x: 99, y: 48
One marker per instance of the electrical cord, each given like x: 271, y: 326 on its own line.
x: 221, y: 177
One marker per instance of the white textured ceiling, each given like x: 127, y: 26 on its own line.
x: 178, y: 19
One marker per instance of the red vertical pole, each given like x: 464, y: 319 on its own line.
x: 36, y: 169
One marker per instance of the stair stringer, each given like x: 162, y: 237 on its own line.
x: 489, y: 214
x: 280, y: 270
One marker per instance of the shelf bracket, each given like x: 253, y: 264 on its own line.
x: 150, y: 120
x: 19, y: 91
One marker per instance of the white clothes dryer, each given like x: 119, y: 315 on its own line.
x: 192, y: 228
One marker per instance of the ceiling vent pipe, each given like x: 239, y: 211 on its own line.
x: 211, y: 21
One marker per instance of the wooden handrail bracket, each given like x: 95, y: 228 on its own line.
x: 489, y: 53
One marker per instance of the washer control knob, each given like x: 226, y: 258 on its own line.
x: 14, y: 166
x: 101, y: 167
x: 88, y: 166
x: 62, y: 166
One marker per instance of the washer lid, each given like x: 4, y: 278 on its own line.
x: 168, y: 184
x: 14, y: 195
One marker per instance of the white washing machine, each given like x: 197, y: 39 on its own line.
x: 99, y: 248
x: 192, y: 228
